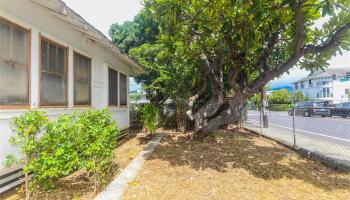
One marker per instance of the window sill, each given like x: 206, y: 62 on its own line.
x: 83, y: 106
x: 14, y: 107
x: 8, y: 114
x: 113, y: 108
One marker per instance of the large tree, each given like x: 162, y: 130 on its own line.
x: 241, y: 45
x: 167, y: 75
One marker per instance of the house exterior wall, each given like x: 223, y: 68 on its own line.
x: 43, y: 22
x: 337, y: 89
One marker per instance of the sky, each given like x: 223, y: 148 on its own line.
x: 103, y: 13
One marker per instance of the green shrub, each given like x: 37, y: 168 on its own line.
x: 57, y: 154
x: 149, y: 117
x: 72, y: 142
x: 96, y: 141
x: 279, y: 107
x: 27, y: 128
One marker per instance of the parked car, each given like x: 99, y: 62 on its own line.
x: 341, y: 109
x: 311, y: 108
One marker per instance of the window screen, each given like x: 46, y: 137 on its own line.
x: 82, y: 80
x: 123, y: 89
x: 113, y: 87
x: 14, y: 64
x: 53, y: 84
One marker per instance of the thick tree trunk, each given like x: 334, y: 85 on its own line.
x: 205, y: 124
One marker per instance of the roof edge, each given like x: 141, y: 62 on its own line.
x: 109, y: 44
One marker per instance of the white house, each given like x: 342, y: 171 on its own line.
x: 332, y: 85
x: 51, y: 59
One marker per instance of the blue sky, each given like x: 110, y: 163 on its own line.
x: 103, y: 13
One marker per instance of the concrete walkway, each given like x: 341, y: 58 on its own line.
x: 116, y: 188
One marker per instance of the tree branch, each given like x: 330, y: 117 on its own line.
x: 268, y: 75
x: 268, y: 51
x: 330, y: 43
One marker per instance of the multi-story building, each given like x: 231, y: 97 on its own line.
x: 332, y: 85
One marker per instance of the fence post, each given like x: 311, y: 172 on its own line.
x: 261, y: 119
x: 294, y: 136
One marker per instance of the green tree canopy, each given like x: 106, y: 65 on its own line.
x: 232, y: 48
x: 167, y: 76
x: 280, y: 97
x: 241, y: 45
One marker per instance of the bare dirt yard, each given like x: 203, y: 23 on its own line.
x: 77, y: 186
x: 233, y: 165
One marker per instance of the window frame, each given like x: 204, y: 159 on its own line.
x: 73, y: 71
x: 66, y: 48
x: 29, y: 51
x: 118, y: 89
x: 126, y: 89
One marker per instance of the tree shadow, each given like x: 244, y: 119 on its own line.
x: 263, y: 158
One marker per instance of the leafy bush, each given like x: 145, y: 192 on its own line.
x: 96, y: 141
x: 279, y: 107
x: 149, y: 117
x: 280, y: 97
x: 57, y: 155
x: 72, y: 142
x: 135, y: 116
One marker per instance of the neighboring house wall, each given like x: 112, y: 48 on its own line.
x: 326, y: 88
x: 43, y: 22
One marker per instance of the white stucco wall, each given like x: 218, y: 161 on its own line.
x: 42, y: 21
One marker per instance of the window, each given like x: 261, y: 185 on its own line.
x: 53, y: 82
x: 347, y: 74
x: 302, y: 85
x: 82, y: 80
x: 310, y: 84
x: 123, y: 90
x: 113, y: 87
x: 296, y: 86
x: 347, y: 91
x: 14, y: 64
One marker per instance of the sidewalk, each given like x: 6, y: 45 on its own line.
x: 115, y: 189
x: 330, y: 149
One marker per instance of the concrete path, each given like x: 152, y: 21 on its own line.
x: 116, y: 188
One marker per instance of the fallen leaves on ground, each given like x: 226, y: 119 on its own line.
x: 234, y: 165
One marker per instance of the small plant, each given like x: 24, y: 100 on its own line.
x: 27, y: 128
x: 96, y: 141
x: 149, y: 117
x: 10, y: 160
x: 57, y: 154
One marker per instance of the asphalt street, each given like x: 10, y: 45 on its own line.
x: 332, y: 128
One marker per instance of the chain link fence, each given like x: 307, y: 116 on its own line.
x: 321, y: 130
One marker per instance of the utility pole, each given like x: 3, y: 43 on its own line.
x: 264, y: 104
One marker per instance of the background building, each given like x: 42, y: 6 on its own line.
x: 332, y: 85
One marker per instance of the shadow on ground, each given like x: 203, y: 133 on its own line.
x: 227, y: 150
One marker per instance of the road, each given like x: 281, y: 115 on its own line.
x: 332, y: 128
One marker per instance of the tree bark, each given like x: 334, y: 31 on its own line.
x: 181, y: 117
x: 232, y: 114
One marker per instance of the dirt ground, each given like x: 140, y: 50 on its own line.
x: 77, y: 186
x: 233, y: 165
